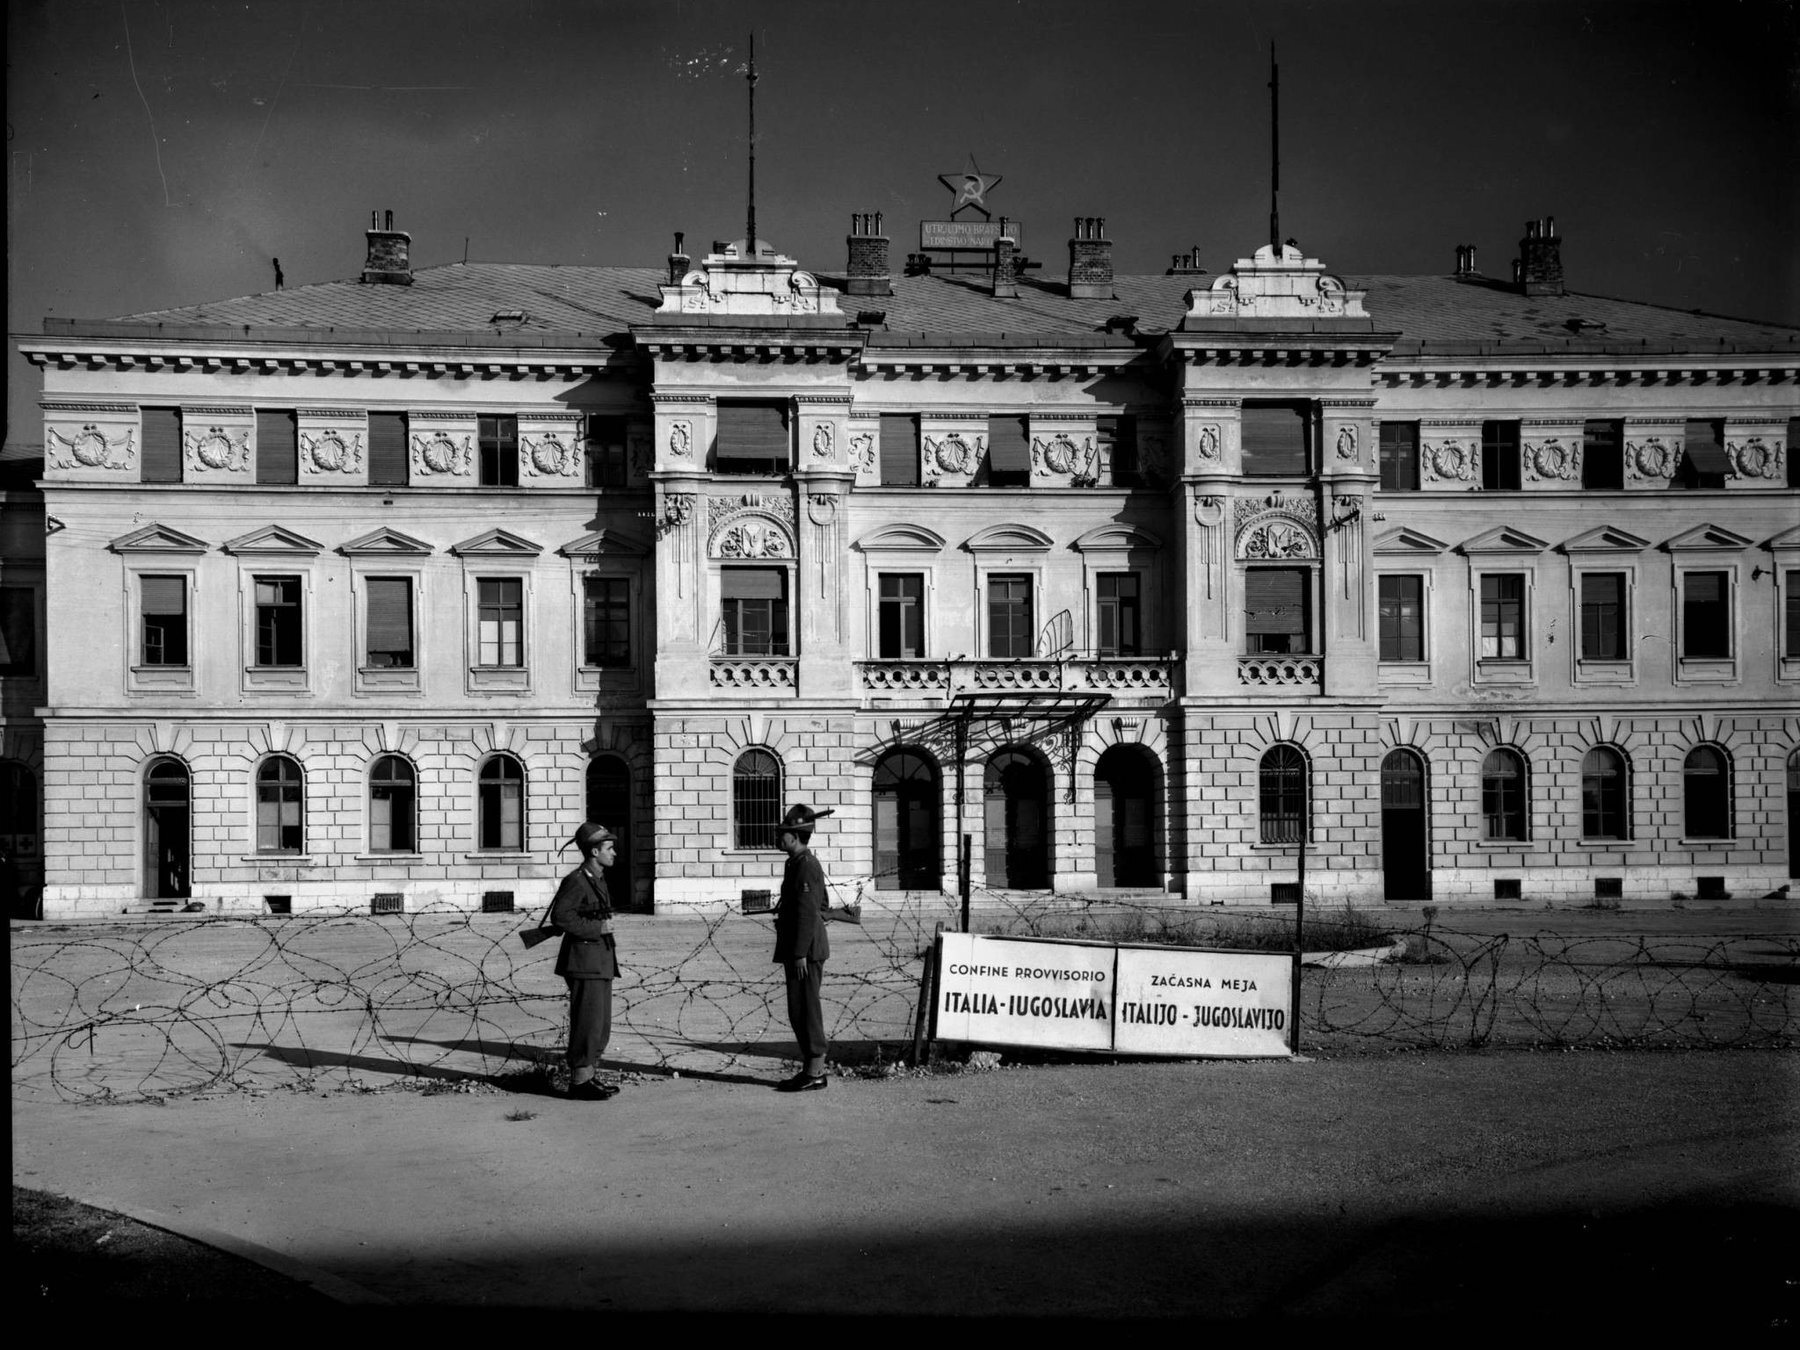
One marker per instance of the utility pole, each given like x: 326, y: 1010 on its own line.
x: 750, y: 225
x: 1274, y: 152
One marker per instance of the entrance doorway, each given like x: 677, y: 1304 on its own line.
x: 166, y: 871
x: 1405, y: 865
x: 908, y: 823
x: 1015, y: 798
x: 1793, y: 777
x: 609, y: 804
x: 1127, y: 793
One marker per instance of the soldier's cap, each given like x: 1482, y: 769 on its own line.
x: 589, y: 835
x: 800, y: 819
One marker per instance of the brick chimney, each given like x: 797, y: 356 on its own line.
x: 1539, y: 267
x: 390, y: 254
x: 678, y: 261
x: 867, y: 273
x: 1185, y: 264
x: 1006, y: 276
x: 1090, y: 260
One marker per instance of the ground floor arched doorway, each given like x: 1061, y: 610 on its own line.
x: 908, y: 823
x: 1016, y: 800
x: 1127, y: 818
x: 167, y: 864
x: 1405, y: 863
x: 609, y: 804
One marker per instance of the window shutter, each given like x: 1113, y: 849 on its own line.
x: 1274, y: 438
x: 277, y: 448
x: 390, y: 614
x: 899, y: 451
x: 1009, y: 452
x: 164, y: 595
x: 1275, y: 600
x: 162, y: 445
x: 753, y: 431
x: 751, y: 583
x: 387, y: 449
x: 1705, y: 448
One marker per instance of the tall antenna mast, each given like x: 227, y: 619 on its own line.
x: 750, y: 225
x: 1274, y: 153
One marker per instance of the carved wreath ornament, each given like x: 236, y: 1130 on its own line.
x: 1451, y: 461
x: 92, y: 449
x: 1650, y: 458
x: 1551, y: 459
x: 1209, y: 442
x: 822, y: 441
x: 440, y: 454
x: 681, y: 440
x: 330, y: 453
x: 1753, y: 458
x: 1346, y: 443
x: 953, y: 454
x: 549, y: 455
x: 216, y: 448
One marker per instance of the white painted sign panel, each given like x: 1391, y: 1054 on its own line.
x: 1176, y: 1001
x: 1180, y: 1001
x: 1011, y: 991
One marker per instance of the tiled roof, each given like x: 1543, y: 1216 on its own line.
x: 1433, y: 312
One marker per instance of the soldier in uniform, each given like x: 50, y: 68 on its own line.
x: 801, y: 945
x: 588, y: 961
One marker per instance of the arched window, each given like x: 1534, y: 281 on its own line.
x: 393, y: 806
x: 500, y: 806
x: 1282, y: 792
x: 1605, y: 801
x: 1505, y: 795
x: 280, y: 806
x: 755, y: 799
x: 1706, y: 794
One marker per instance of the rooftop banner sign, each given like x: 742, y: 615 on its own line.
x: 1184, y: 1002
x: 970, y: 234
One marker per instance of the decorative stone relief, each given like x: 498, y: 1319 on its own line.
x: 1279, y: 525
x: 776, y: 504
x: 549, y: 455
x: 681, y: 439
x: 678, y: 510
x: 331, y: 453
x: 90, y: 448
x: 752, y: 537
x: 1209, y: 442
x: 1277, y: 284
x: 1061, y: 456
x: 1346, y: 443
x: 1551, y: 460
x: 1651, y: 458
x: 1277, y: 539
x: 862, y: 451
x: 952, y: 454
x: 821, y: 508
x: 1754, y: 458
x: 441, y: 454
x: 1449, y: 461
x: 217, y: 448
x: 823, y: 442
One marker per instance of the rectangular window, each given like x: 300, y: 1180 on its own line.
x: 1120, y: 631
x: 1402, y: 603
x: 1399, y: 456
x: 1703, y: 463
x: 277, y: 447
x: 1603, y: 455
x: 902, y: 602
x: 18, y: 630
x: 389, y: 627
x: 1009, y: 616
x: 606, y: 622
x: 1277, y: 438
x: 500, y: 623
x: 1500, y: 456
x: 278, y: 621
x: 1706, y: 615
x: 605, y: 452
x: 1503, y: 617
x: 1118, y: 445
x: 1790, y: 642
x: 899, y: 450
x: 162, y: 445
x: 753, y: 437
x: 387, y: 449
x: 1603, y: 616
x: 498, y: 438
x: 1009, y: 452
x: 1793, y: 452
x: 1278, y: 611
x: 756, y: 611
x: 164, y: 601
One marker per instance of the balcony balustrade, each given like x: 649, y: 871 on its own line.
x: 1127, y: 676
x: 756, y: 674
x: 1288, y: 674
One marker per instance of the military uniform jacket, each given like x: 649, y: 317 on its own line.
x: 800, y: 916
x: 580, y: 907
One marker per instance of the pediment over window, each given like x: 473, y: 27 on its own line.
x: 901, y: 539
x: 273, y: 539
x: 497, y: 544
x: 1605, y: 539
x: 385, y: 542
x: 158, y: 539
x: 1408, y: 542
x: 1505, y: 539
x: 611, y: 541
x: 1113, y: 537
x: 1785, y: 542
x: 1707, y: 537
x: 1008, y: 538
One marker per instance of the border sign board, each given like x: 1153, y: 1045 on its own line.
x: 1186, y: 1002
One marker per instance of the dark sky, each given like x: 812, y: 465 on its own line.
x: 160, y: 154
